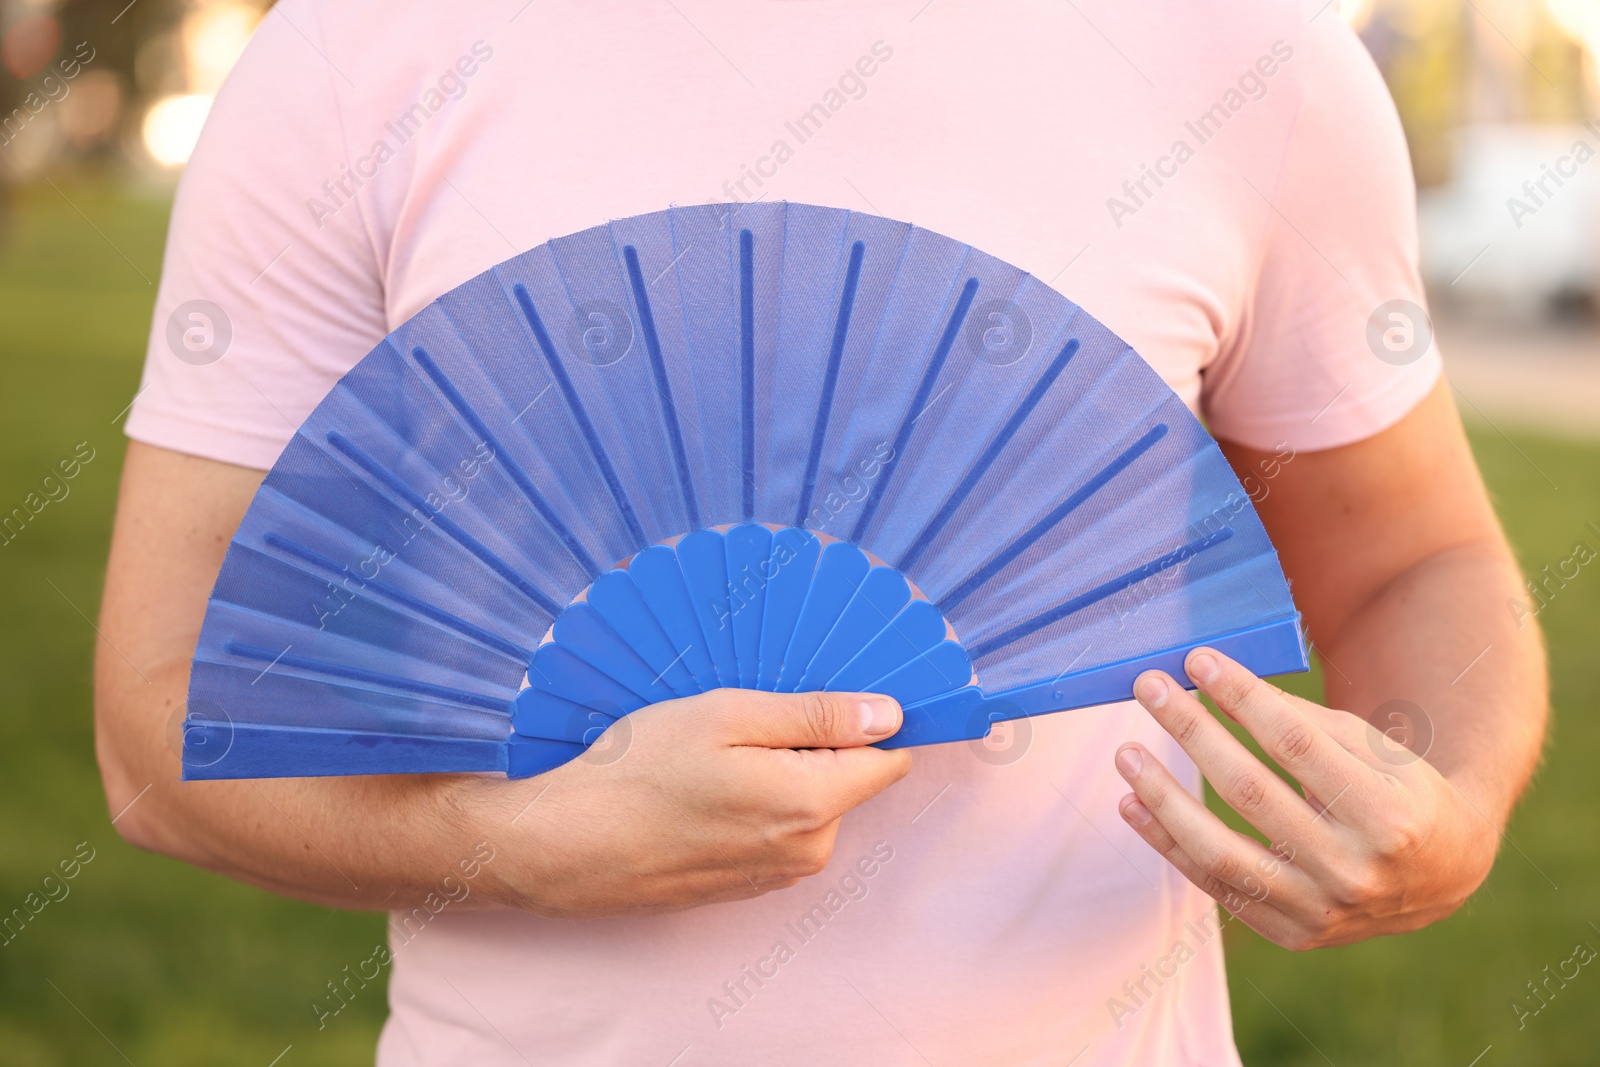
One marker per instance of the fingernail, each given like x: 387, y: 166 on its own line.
x: 1134, y: 811
x: 878, y: 717
x: 1203, y: 666
x: 1129, y: 761
x: 1151, y: 691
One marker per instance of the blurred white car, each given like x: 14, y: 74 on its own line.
x: 1519, y: 226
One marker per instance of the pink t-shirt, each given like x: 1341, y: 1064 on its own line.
x: 1224, y: 185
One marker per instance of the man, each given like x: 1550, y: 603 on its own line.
x: 1225, y: 186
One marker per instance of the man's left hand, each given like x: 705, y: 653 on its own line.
x: 1377, y: 844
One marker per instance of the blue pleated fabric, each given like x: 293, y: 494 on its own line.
x: 659, y: 408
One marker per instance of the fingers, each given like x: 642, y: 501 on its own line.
x: 718, y: 796
x: 1252, y: 883
x: 1299, y: 745
x: 1256, y: 908
x: 806, y: 753
x: 1218, y: 851
x: 837, y: 780
x: 803, y: 720
x: 1242, y: 780
x: 1294, y: 739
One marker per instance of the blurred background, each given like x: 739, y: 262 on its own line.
x: 140, y: 960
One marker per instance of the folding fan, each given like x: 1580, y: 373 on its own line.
x: 776, y: 447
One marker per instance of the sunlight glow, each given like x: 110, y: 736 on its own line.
x: 172, y: 126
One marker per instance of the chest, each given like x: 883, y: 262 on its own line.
x: 1025, y: 137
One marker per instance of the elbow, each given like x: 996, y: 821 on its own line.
x: 129, y: 803
x: 133, y: 781
x: 134, y: 827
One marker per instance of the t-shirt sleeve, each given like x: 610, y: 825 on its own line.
x: 1335, y: 345
x: 270, y: 289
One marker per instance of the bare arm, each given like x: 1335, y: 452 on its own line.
x: 1403, y: 575
x: 712, y: 805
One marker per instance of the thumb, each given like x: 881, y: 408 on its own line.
x: 806, y: 720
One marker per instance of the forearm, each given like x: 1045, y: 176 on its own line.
x: 369, y: 843
x: 1403, y: 576
x: 723, y: 796
x: 1406, y: 581
x: 1441, y: 637
x: 353, y: 842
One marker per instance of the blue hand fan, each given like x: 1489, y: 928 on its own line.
x: 793, y: 449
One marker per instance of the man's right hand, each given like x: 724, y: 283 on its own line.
x: 715, y: 797
x: 719, y: 796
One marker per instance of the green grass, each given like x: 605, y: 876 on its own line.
x: 173, y: 965
x: 178, y: 967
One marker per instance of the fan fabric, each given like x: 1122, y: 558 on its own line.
x: 666, y: 402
